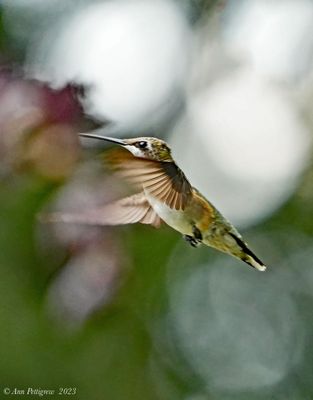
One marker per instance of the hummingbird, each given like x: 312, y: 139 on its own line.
x: 163, y: 195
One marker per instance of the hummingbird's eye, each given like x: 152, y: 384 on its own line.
x: 142, y: 144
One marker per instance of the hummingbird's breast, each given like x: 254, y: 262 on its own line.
x: 197, y: 213
x: 176, y: 219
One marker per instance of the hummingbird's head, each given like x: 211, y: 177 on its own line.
x: 144, y: 147
x: 150, y: 148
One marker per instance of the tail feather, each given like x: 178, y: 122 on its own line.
x: 247, y: 255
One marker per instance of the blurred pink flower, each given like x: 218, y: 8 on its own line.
x: 38, y: 126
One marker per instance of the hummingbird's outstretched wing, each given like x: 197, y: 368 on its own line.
x: 162, y: 179
x: 129, y: 210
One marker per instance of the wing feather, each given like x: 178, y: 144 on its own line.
x: 128, y: 210
x: 161, y: 179
x: 151, y: 218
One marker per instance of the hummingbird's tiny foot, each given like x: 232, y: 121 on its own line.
x: 193, y: 241
x: 197, y: 233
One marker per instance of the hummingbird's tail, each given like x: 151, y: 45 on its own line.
x: 247, y: 255
x: 228, y: 240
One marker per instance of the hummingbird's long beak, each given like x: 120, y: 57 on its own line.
x: 108, y: 139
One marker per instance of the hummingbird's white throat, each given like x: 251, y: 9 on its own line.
x: 139, y: 152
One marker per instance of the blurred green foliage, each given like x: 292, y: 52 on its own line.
x: 109, y: 356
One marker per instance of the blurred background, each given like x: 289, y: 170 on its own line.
x: 135, y: 312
